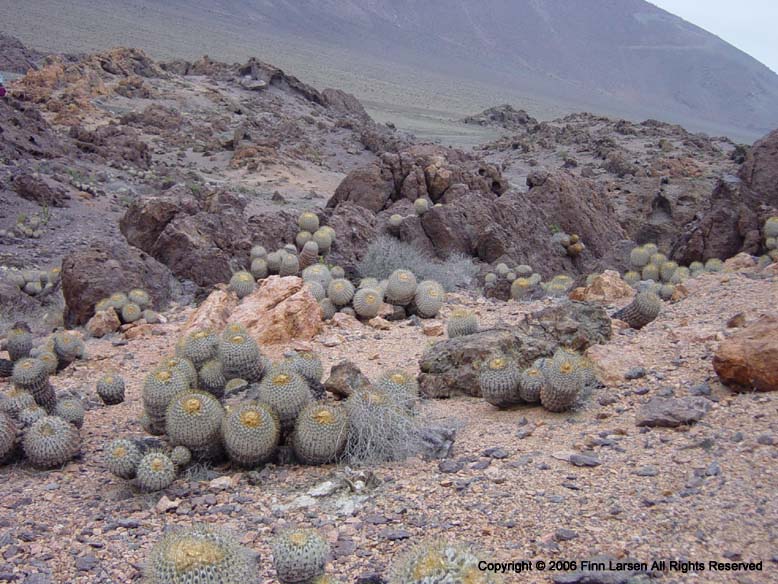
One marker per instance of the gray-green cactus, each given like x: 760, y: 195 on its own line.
x: 639, y: 257
x: 9, y: 434
x: 121, y: 457
x: 302, y: 238
x: 299, y: 555
x: 19, y: 341
x: 273, y: 261
x: 309, y: 365
x: 421, y: 206
x: 259, y: 268
x: 16, y: 400
x: 180, y: 456
x: 323, y: 239
x: 399, y: 385
x: 212, y: 378
x: 320, y: 433
x: 318, y: 273
x: 309, y: 254
x: 461, y: 322
x: 667, y: 270
x: 51, y: 442
x: 290, y: 266
x: 258, y: 251
x: 71, y: 410
x: 251, y: 433
x: 499, y: 382
x: 241, y: 357
x: 440, y: 561
x: 155, y: 471
x: 159, y: 389
x: 650, y: 272
x: 242, y: 283
x: 316, y: 290
x: 401, y: 287
x: 714, y: 265
x: 68, y: 347
x: 368, y: 302
x: 563, y: 382
x: 110, y: 389
x: 131, y: 312
x: 771, y: 227
x: 531, y: 382
x: 641, y: 311
x: 340, y: 292
x: 308, y: 221
x: 287, y: 393
x: 139, y: 297
x: 328, y: 309
x: 429, y: 299
x: 193, y: 419
x: 199, y: 346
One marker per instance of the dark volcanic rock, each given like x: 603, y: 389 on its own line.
x: 356, y: 227
x: 672, y: 412
x: 367, y: 187
x: 452, y: 367
x: 24, y: 132
x: 113, y: 142
x: 93, y: 273
x: 760, y: 169
x: 346, y: 378
x: 40, y: 190
x: 15, y: 57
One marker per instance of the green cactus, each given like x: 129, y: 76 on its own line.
x: 399, y: 385
x: 316, y: 290
x: 242, y: 283
x: 563, y: 382
x: 299, y: 555
x: 51, y: 442
x: 401, y: 287
x: 461, y: 322
x: 193, y: 419
x: 302, y: 238
x: 368, y: 283
x: 651, y: 248
x: 151, y: 316
x: 421, y: 206
x: 714, y: 265
x: 632, y: 278
x: 259, y: 268
x: 395, y: 221
x: 9, y: 434
x: 368, y: 302
x: 31, y: 414
x: 71, y: 410
x: 309, y: 254
x: 490, y: 278
x: 308, y: 221
x: 667, y: 270
x: 502, y: 269
x: 328, y: 309
x: 241, y: 357
x: 139, y: 297
x: 68, y: 347
x: 212, y: 378
x: 184, y: 366
x: 657, y: 259
x: 258, y: 251
x: 32, y: 375
x: 650, y: 272
x: 340, y: 292
x: 522, y: 288
x: 121, y: 458
x: 323, y: 239
x: 103, y: 304
x: 320, y: 433
x: 50, y: 360
x: 680, y: 275
x: 771, y: 243
x: 118, y: 300
x: 439, y: 561
x: 155, y: 471
x: 639, y: 258
x: 641, y: 311
x: 499, y: 382
x: 180, y: 456
x: 251, y: 433
x: 287, y: 392
x: 318, y: 273
x: 531, y: 382
x: 199, y: 346
x: 19, y: 342
x: 273, y: 261
x: 290, y: 266
x: 131, y: 312
x: 200, y: 554
x: 666, y: 291
x: 429, y: 299
x: 110, y: 389
x: 16, y: 400
x: 771, y: 227
x: 159, y: 389
x: 308, y: 364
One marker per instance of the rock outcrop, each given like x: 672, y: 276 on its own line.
x: 748, y: 360
x: 452, y: 367
x: 91, y: 274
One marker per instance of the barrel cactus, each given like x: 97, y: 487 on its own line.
x: 461, y: 322
x: 439, y: 561
x: 522, y: 288
x: 714, y: 265
x: 258, y: 251
x: 211, y: 376
x: 15, y: 401
x: 200, y: 554
x: 242, y: 283
x: 117, y: 300
x: 401, y: 287
x: 299, y: 555
x: 273, y: 261
x: 650, y: 272
x: 323, y: 239
x: 30, y: 414
x: 639, y: 258
x: 657, y: 259
x: 429, y: 298
x: 71, y: 410
x: 121, y: 458
x: 367, y: 302
x: 290, y: 266
x: 199, y: 346
x: 184, y: 366
x: 499, y: 382
x: 421, y: 206
x: 667, y: 270
x: 394, y: 222
x: 328, y: 309
x: 320, y: 433
x: 258, y: 268
x: 641, y: 311
x: 51, y: 442
x: 131, y: 312
x: 308, y: 221
x: 302, y: 238
x: 9, y: 435
x: 241, y: 357
x: 531, y: 382
x: 287, y: 392
x: 193, y: 419
x: 309, y: 254
x: 340, y: 292
x: 155, y: 471
x: 771, y: 227
x: 251, y: 432
x: 68, y: 347
x: 159, y: 389
x: 30, y: 374
x: 309, y: 365
x: 563, y: 383
x: 316, y: 290
x: 318, y: 273
x: 490, y: 278
x: 19, y: 341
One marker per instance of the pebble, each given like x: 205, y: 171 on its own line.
x: 647, y: 471
x: 584, y: 460
x: 450, y: 466
x: 635, y: 373
x: 701, y: 389
x: 496, y: 452
x: 86, y: 563
x: 564, y: 534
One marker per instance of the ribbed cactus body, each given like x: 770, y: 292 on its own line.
x: 657, y: 259
x: 531, y: 382
x: 309, y: 254
x: 193, y: 419
x: 340, y: 292
x: 184, y: 366
x: 639, y: 257
x: 242, y: 283
x: 30, y: 374
x: 51, y: 442
x: 399, y: 385
x: 251, y: 433
x: 666, y: 291
x: 121, y: 457
x: 19, y: 343
x: 308, y: 221
x: 117, y: 301
x: 771, y: 227
x: 258, y: 251
x: 241, y: 357
x: 394, y: 222
x: 650, y: 272
x: 439, y: 561
x: 259, y: 268
x: 323, y: 239
x: 290, y: 266
x: 159, y: 389
x: 667, y: 270
x: 320, y: 433
x: 328, y: 309
x: 212, y: 378
x: 155, y: 471
x: 31, y: 414
x: 302, y: 238
x: 9, y: 434
x: 421, y: 206
x: 429, y: 298
x: 16, y: 400
x: 273, y: 260
x: 563, y: 382
x: 180, y: 456
x: 199, y: 346
x: 499, y: 382
x: 401, y: 287
x: 368, y: 302
x: 318, y: 273
x: 714, y: 265
x: 71, y: 410
x: 287, y: 393
x: 641, y: 311
x: 491, y: 278
x: 309, y: 365
x: 68, y: 347
x: 299, y: 555
x: 139, y: 297
x: 461, y: 322
x: 316, y: 290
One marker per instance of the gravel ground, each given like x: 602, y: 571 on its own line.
x: 699, y: 493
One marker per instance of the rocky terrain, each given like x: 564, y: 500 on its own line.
x: 123, y: 172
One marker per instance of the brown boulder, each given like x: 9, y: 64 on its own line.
x: 367, y: 187
x: 356, y: 227
x: 102, y: 323
x: 747, y: 360
x: 90, y: 274
x: 605, y: 287
x: 214, y: 313
x: 760, y: 168
x: 41, y: 190
x: 346, y: 378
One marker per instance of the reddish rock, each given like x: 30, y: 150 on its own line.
x: 103, y: 323
x: 747, y: 360
x: 605, y: 287
x: 760, y: 168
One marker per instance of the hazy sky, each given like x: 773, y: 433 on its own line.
x: 750, y: 25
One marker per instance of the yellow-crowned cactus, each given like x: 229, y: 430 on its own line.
x: 51, y: 442
x: 421, y: 206
x: 199, y: 346
x: 714, y: 265
x: 639, y: 257
x: 71, y: 410
x: 258, y: 251
x: 211, y: 376
x: 320, y: 433
x: 439, y: 561
x: 323, y: 239
x: 193, y: 419
x: 241, y: 357
x: 242, y: 283
x: 139, y: 297
x: 340, y: 292
x: 9, y: 435
x: 287, y: 393
x: 259, y: 268
x: 299, y: 555
x: 499, y: 382
x: 563, y: 382
x: 309, y: 254
x: 429, y: 299
x: 121, y: 457
x: 308, y: 221
x: 461, y: 322
x: 251, y: 432
x: 290, y: 266
x: 19, y: 341
x: 368, y: 302
x: 155, y: 471
x: 401, y: 287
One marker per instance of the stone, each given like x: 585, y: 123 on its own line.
x: 432, y: 329
x: 672, y: 412
x: 164, y: 504
x: 346, y: 378
x: 741, y: 261
x: 635, y: 373
x: 213, y: 313
x: 612, y: 363
x: 41, y: 190
x: 94, y: 273
x: 369, y: 187
x: 450, y: 466
x: 379, y: 323
x: 452, y: 366
x: 584, y: 460
x: 345, y: 321
x: 760, y: 168
x: 605, y: 287
x: 746, y: 361
x: 102, y: 323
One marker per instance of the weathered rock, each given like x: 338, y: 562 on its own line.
x: 41, y: 190
x: 605, y: 287
x: 280, y: 310
x: 612, y: 363
x: 748, y: 360
x: 356, y: 227
x: 346, y: 378
x: 452, y: 367
x: 102, y: 323
x: 760, y: 168
x: 741, y: 261
x: 672, y: 412
x: 91, y: 274
x: 367, y: 187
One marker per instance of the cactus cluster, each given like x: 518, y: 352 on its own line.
x: 130, y: 307
x: 299, y: 555
x: 557, y: 383
x: 526, y: 284
x: 35, y: 282
x: 568, y: 244
x: 439, y: 561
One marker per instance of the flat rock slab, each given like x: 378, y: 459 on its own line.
x: 672, y: 412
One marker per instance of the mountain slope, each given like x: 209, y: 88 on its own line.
x: 620, y: 56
